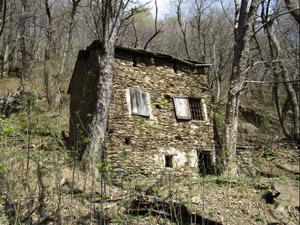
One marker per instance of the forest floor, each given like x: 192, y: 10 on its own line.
x: 40, y: 183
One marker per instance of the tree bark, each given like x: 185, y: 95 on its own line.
x: 6, y: 44
x: 242, y: 33
x: 22, y: 40
x: 67, y: 46
x: 182, y: 28
x: 292, y: 6
x: 47, y: 54
x: 278, y: 68
x: 3, y: 8
x: 69, y: 35
x: 111, y: 19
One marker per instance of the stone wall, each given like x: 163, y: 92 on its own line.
x: 137, y: 146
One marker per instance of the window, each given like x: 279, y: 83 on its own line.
x: 169, y: 161
x: 139, y: 102
x: 204, y: 162
x: 195, y: 107
x: 187, y: 108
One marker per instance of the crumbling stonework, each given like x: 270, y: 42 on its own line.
x: 158, y: 141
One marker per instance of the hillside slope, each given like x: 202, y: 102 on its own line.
x: 42, y: 182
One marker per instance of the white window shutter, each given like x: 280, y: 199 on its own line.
x: 144, y: 107
x: 133, y: 100
x: 182, y: 108
x: 139, y: 102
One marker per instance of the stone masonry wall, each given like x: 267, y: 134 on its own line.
x: 136, y: 146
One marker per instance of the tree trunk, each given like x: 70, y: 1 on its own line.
x: 111, y: 19
x: 47, y: 54
x: 182, y: 28
x: 278, y: 68
x: 7, y: 48
x: 242, y: 35
x: 22, y: 41
x: 67, y: 46
x: 3, y: 7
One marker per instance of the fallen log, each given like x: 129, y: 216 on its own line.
x: 45, y: 218
x: 175, y: 211
x: 285, y: 168
x: 11, y: 102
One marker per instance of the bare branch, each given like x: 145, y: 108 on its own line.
x: 273, y: 18
x: 275, y: 82
x: 224, y: 11
x: 155, y: 24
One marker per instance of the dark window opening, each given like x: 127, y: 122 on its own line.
x: 109, y: 129
x: 134, y: 61
x: 157, y: 106
x: 175, y: 68
x: 205, y: 163
x: 178, y: 137
x: 169, y: 161
x: 167, y: 97
x: 195, y: 108
x: 127, y: 140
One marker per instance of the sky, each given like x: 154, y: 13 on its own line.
x: 163, y: 7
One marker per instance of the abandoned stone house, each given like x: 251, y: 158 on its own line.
x: 160, y: 117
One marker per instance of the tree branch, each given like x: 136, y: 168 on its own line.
x: 273, y: 18
x: 275, y: 82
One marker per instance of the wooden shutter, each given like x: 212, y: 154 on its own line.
x: 182, y: 108
x: 139, y: 102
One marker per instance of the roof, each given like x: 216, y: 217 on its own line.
x: 141, y: 52
x: 98, y: 44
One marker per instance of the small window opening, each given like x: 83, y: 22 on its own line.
x: 204, y: 163
x: 127, y: 140
x: 168, y: 97
x: 169, y: 161
x: 109, y: 129
x: 175, y: 68
x: 195, y: 107
x: 134, y: 61
x: 178, y: 137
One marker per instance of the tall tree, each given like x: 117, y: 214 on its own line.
x: 245, y: 12
x: 3, y: 7
x: 279, y: 69
x: 22, y: 39
x: 67, y: 46
x: 112, y: 12
x: 183, y: 27
x: 47, y: 51
x: 68, y: 38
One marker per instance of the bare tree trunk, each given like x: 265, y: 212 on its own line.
x: 111, y: 18
x: 242, y: 33
x: 47, y: 54
x: 6, y: 44
x: 292, y: 95
x: 3, y: 8
x: 182, y: 28
x: 22, y: 40
x: 156, y: 29
x: 279, y: 68
x: 216, y: 76
x: 67, y: 46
